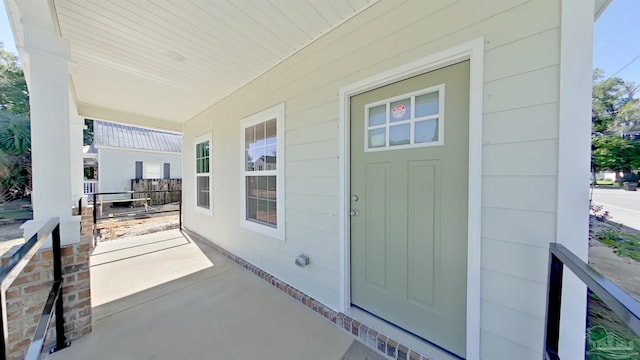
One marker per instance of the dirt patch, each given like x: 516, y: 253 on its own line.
x: 148, y: 227
x: 607, y: 336
x: 623, y: 271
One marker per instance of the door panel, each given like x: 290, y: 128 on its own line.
x: 377, y: 195
x: 423, y: 227
x: 409, y: 182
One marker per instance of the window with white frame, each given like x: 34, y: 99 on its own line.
x: 411, y: 120
x: 203, y: 178
x: 262, y: 141
x: 152, y: 170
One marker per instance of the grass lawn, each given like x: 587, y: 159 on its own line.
x: 625, y: 244
x: 16, y: 210
x: 16, y: 214
x: 606, y: 182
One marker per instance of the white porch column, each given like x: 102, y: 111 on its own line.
x: 77, y: 160
x: 574, y: 146
x: 48, y: 59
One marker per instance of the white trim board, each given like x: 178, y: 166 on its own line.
x: 473, y: 51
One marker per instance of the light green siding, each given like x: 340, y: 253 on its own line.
x: 520, y: 130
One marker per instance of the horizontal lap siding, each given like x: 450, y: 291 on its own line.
x: 519, y: 191
x: 519, y: 140
x: 117, y: 167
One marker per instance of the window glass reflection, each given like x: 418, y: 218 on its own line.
x: 427, y: 104
x: 202, y: 157
x: 378, y: 115
x: 426, y: 131
x: 202, y: 191
x: 400, y: 134
x: 261, y: 146
x: 377, y: 138
x: 261, y: 200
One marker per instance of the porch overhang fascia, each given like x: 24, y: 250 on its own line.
x: 599, y: 8
x: 99, y: 113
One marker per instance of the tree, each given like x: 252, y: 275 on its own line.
x: 615, y: 153
x: 87, y: 133
x: 15, y: 128
x: 14, y: 95
x: 627, y: 121
x: 615, y: 124
x: 607, y: 99
x: 15, y: 155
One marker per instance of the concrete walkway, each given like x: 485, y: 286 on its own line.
x: 164, y: 296
x: 623, y: 206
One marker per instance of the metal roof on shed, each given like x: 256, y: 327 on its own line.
x: 131, y: 137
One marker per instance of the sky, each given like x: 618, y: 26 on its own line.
x: 5, y: 30
x: 616, y: 41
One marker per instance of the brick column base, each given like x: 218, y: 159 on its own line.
x: 27, y: 295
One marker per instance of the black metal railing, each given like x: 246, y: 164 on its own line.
x: 10, y: 270
x: 621, y: 303
x: 97, y: 199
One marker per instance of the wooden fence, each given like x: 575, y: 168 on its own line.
x: 157, y: 198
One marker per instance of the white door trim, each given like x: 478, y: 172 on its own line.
x: 473, y: 51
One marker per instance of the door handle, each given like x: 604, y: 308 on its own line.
x: 354, y: 212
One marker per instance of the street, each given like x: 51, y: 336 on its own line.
x: 623, y: 206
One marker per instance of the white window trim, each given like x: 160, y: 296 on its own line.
x: 278, y: 232
x: 145, y: 166
x: 196, y: 141
x: 412, y: 120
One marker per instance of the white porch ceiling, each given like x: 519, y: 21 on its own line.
x: 170, y: 60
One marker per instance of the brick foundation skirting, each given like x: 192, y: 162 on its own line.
x: 26, y: 296
x: 375, y: 339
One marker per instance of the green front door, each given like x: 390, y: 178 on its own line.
x: 409, y: 192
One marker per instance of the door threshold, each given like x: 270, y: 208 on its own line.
x: 412, y: 341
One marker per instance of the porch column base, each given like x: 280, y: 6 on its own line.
x: 69, y: 230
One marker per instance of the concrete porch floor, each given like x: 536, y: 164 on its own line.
x: 165, y: 296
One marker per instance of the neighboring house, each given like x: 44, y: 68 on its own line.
x: 122, y: 153
x: 425, y: 152
x: 265, y: 163
x: 606, y: 175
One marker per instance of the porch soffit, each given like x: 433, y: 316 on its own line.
x: 169, y: 60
